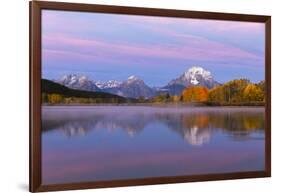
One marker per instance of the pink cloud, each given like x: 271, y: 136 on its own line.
x: 67, y: 42
x: 191, y: 48
x: 61, y: 55
x: 64, y: 22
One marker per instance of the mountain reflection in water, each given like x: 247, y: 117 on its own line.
x: 194, y: 125
x: 96, y: 143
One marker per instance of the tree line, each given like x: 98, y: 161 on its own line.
x: 235, y: 92
x: 55, y: 98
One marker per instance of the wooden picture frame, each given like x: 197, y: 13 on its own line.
x: 36, y: 8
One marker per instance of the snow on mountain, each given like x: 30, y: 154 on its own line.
x: 194, y: 76
x: 108, y: 84
x: 78, y: 82
x: 194, y: 72
x: 135, y: 87
x: 133, y: 79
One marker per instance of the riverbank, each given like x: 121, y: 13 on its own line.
x: 203, y: 104
x: 176, y: 105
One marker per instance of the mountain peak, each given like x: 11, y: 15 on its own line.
x: 133, y: 77
x: 74, y: 77
x: 69, y: 76
x: 77, y: 82
x: 108, y: 84
x: 197, y: 71
x: 194, y: 76
x: 134, y: 87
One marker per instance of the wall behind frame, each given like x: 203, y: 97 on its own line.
x: 14, y: 95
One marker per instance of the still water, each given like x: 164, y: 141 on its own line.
x: 97, y: 143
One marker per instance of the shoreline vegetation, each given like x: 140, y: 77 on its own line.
x: 240, y: 92
x: 157, y: 104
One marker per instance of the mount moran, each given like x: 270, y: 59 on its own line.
x: 134, y: 87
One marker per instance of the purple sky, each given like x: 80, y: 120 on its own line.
x: 156, y: 49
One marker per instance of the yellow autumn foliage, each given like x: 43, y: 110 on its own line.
x: 253, y: 93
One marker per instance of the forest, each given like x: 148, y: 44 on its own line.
x: 236, y: 92
x: 239, y: 92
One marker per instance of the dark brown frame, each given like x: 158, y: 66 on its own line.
x: 35, y: 93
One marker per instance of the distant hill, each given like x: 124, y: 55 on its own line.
x: 50, y: 87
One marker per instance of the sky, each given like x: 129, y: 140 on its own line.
x: 155, y: 49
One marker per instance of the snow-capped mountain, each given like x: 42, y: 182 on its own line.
x: 134, y: 87
x: 195, y: 76
x: 78, y: 82
x: 108, y: 84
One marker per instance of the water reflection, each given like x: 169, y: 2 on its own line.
x: 194, y: 125
x: 81, y: 144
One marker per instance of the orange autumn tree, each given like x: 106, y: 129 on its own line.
x: 195, y: 94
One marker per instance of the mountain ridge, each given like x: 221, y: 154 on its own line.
x: 50, y: 87
x: 134, y: 87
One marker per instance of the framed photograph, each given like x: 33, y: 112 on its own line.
x: 123, y: 96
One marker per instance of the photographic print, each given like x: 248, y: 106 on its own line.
x: 128, y: 97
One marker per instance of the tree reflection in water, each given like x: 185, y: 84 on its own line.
x: 194, y: 125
